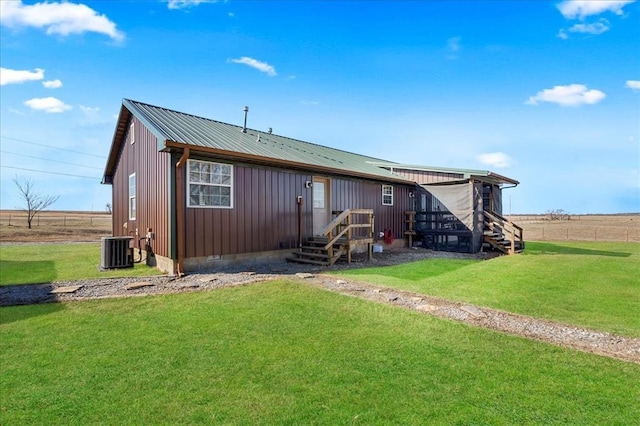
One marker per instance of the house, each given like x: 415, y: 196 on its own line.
x: 207, y: 192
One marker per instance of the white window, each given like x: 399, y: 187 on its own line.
x: 387, y: 195
x: 210, y: 184
x: 318, y: 195
x: 132, y: 196
x: 132, y: 133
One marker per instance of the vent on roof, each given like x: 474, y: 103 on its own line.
x: 244, y: 126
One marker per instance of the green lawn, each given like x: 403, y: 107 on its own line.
x: 593, y: 285
x: 44, y: 263
x: 288, y: 353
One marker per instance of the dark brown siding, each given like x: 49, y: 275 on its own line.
x: 152, y: 192
x: 265, y: 213
x: 264, y: 216
x: 360, y: 194
x: 428, y: 176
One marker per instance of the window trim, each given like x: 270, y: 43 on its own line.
x: 189, y: 183
x: 132, y: 132
x: 132, y: 197
x: 384, y: 194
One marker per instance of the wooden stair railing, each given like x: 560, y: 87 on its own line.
x: 337, y: 238
x: 503, y: 234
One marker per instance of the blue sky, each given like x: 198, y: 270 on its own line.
x: 547, y: 93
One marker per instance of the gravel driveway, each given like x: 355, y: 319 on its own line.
x: 623, y: 348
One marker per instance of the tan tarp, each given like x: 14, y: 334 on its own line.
x: 457, y: 198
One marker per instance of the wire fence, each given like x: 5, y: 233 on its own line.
x: 71, y: 220
x: 612, y: 228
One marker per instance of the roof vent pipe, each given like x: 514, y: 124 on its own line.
x: 244, y: 127
x: 270, y: 130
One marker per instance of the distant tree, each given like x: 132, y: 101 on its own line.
x: 108, y: 207
x: 558, y: 214
x: 33, y: 201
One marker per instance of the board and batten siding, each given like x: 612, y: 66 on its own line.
x: 424, y: 177
x: 264, y: 216
x: 361, y: 194
x: 152, y: 191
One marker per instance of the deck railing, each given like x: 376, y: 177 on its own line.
x: 504, y: 227
x: 352, y: 225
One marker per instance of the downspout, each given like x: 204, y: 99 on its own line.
x: 179, y: 268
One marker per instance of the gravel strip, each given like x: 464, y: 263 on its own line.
x: 622, y: 348
x: 606, y: 344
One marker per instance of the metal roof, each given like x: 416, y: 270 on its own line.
x: 483, y: 175
x: 171, y: 127
x: 175, y: 129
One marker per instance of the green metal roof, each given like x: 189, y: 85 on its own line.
x: 485, y: 175
x: 174, y: 126
x: 171, y: 127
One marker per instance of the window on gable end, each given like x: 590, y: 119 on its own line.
x: 132, y: 196
x: 132, y: 132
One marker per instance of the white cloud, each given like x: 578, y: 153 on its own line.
x: 454, y: 43
x: 580, y: 9
x: 48, y: 105
x: 495, y: 159
x: 8, y: 76
x: 633, y: 84
x: 570, y: 95
x: 52, y: 84
x: 562, y: 34
x: 594, y: 28
x: 453, y: 46
x: 89, y: 110
x: 183, y: 4
x: 57, y: 18
x: 254, y: 63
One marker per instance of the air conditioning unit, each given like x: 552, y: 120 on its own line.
x: 116, y: 252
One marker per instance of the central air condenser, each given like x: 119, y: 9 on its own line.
x: 116, y: 252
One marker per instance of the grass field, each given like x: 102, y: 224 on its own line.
x: 593, y: 285
x: 44, y: 263
x: 54, y: 226
x: 287, y: 353
x: 622, y: 228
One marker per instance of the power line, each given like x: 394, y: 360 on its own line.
x: 52, y: 147
x: 51, y: 173
x: 53, y: 161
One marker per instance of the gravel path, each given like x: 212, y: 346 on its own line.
x: 623, y: 348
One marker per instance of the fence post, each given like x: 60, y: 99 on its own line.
x: 9, y: 220
x: 595, y: 234
x: 64, y: 221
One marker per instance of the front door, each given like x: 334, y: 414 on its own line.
x: 321, y: 204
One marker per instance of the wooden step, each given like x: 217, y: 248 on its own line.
x: 304, y: 260
x: 300, y: 254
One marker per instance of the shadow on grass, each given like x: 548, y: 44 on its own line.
x: 9, y: 314
x: 549, y: 248
x: 27, y: 272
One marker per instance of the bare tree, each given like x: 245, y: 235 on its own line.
x: 108, y: 207
x: 558, y: 214
x: 33, y: 201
